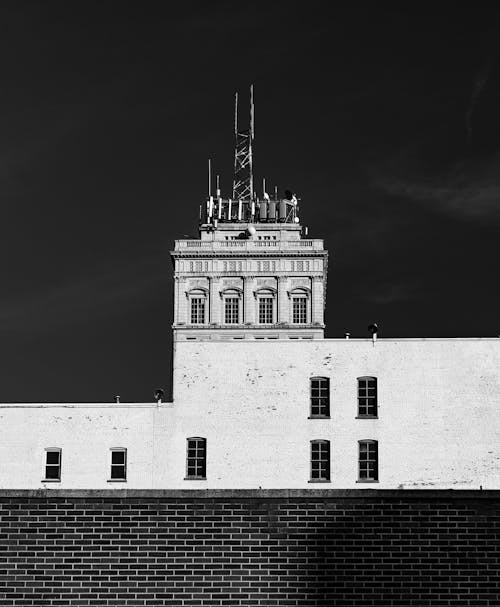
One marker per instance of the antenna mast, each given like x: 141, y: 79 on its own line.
x: 243, y: 167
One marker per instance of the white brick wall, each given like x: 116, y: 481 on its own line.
x: 438, y: 424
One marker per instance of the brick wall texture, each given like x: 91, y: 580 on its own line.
x: 308, y: 548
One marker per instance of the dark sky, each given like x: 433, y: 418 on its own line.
x: 384, y: 122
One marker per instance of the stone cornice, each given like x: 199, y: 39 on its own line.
x: 196, y: 254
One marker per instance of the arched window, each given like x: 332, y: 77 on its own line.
x: 196, y: 458
x: 198, y: 308
x: 232, y: 306
x: 320, y: 397
x: 367, y: 397
x: 266, y: 305
x: 300, y: 306
x: 320, y: 461
x: 368, y: 461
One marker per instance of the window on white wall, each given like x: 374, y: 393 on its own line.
x: 368, y: 461
x: 299, y: 309
x: 320, y: 397
x: 231, y: 310
x: 53, y: 464
x: 196, y: 458
x: 367, y: 397
x: 197, y: 310
x: 266, y: 309
x: 118, y: 464
x: 320, y: 461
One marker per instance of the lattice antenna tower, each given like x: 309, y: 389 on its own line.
x: 243, y: 161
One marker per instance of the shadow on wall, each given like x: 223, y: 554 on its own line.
x: 202, y: 548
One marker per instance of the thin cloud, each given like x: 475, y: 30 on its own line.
x: 464, y: 192
x: 390, y: 293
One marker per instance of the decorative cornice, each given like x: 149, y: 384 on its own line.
x: 251, y: 254
x: 264, y: 288
x: 203, y: 289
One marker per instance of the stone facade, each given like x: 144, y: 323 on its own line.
x: 245, y: 264
x: 262, y: 400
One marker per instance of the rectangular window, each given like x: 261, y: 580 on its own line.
x: 232, y: 266
x: 198, y: 266
x: 320, y: 460
x: 265, y: 310
x: 196, y: 461
x: 266, y: 266
x: 53, y: 464
x: 320, y: 397
x: 299, y: 310
x: 231, y: 310
x: 300, y: 266
x: 368, y: 460
x: 367, y: 396
x: 197, y: 310
x: 118, y: 464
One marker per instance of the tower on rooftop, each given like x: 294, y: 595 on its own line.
x: 251, y: 274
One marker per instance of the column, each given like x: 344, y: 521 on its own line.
x: 317, y: 300
x: 215, y: 300
x: 177, y: 298
x: 249, y: 300
x: 283, y: 301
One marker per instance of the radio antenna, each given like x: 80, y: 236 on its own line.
x: 243, y: 160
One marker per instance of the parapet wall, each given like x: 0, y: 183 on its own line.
x: 242, y: 548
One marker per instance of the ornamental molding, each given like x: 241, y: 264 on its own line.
x: 299, y: 289
x: 265, y: 288
x: 225, y: 290
x: 192, y: 291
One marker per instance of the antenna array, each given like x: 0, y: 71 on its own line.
x: 243, y: 161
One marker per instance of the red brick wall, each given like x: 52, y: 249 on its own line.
x: 237, y: 548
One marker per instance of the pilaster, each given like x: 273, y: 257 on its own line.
x: 215, y: 300
x: 317, y: 300
x: 283, y: 301
x: 249, y: 301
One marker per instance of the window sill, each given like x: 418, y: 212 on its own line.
x: 366, y: 417
x: 319, y: 481
x: 116, y: 480
x: 319, y: 417
x: 366, y: 481
x: 195, y: 478
x: 51, y: 480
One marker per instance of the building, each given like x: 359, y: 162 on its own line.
x: 261, y: 399
x: 287, y: 469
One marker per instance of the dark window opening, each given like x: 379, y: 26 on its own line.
x: 118, y: 464
x: 320, y: 397
x: 196, y: 461
x: 53, y: 465
x: 367, y: 397
x: 368, y: 460
x: 320, y: 460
